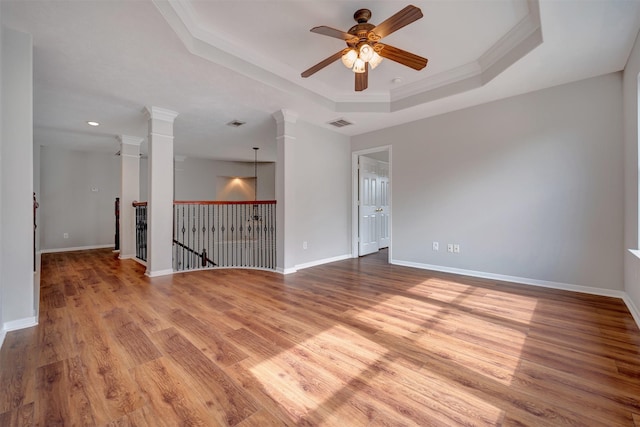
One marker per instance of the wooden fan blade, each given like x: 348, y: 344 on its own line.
x: 402, y: 56
x: 320, y: 65
x: 362, y: 79
x: 332, y: 32
x: 405, y: 17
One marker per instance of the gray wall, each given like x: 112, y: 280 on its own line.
x: 16, y: 182
x: 322, y: 177
x: 196, y: 179
x: 68, y: 176
x: 530, y: 186
x: 631, y: 218
x: 67, y: 202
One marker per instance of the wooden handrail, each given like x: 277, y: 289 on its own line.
x: 214, y: 202
x: 202, y: 256
x: 222, y: 202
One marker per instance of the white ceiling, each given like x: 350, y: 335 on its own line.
x: 216, y: 61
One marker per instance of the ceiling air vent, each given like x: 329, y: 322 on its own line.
x: 340, y: 123
x: 235, y: 123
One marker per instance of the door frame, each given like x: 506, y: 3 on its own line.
x: 355, y: 182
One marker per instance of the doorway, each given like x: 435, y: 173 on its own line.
x: 371, y: 201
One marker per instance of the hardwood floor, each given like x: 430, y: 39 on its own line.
x: 352, y: 343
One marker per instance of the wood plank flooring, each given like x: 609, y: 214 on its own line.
x: 352, y: 343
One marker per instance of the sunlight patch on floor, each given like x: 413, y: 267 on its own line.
x: 299, y: 376
x: 324, y: 392
x: 442, y: 315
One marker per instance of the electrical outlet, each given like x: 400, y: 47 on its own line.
x: 456, y: 248
x: 65, y: 235
x: 435, y: 246
x: 450, y: 247
x: 304, y: 245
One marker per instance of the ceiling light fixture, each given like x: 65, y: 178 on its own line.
x: 364, y: 49
x: 91, y: 123
x: 356, y: 58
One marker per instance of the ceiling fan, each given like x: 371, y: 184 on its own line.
x: 364, y: 49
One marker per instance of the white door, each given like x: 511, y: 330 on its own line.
x: 383, y: 205
x: 368, y: 206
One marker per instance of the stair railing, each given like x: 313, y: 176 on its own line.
x: 232, y: 234
x: 141, y: 230
x: 214, y: 234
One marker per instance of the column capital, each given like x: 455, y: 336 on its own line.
x: 285, y: 116
x: 130, y: 140
x: 130, y: 146
x: 157, y: 113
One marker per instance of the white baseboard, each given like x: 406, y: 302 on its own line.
x: 158, y: 273
x: 632, y: 308
x: 635, y: 313
x: 139, y: 261
x: 285, y: 270
x: 514, y: 279
x: 322, y: 261
x: 77, y: 248
x: 14, y: 325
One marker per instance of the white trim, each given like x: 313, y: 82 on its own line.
x: 322, y: 261
x: 158, y: 273
x: 514, y: 279
x: 203, y: 40
x: 285, y: 271
x: 355, y: 249
x: 635, y: 313
x: 25, y: 322
x: 130, y: 140
x: 14, y: 325
x: 158, y: 113
x: 76, y: 248
x: 139, y: 261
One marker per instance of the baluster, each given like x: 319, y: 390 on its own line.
x: 219, y: 235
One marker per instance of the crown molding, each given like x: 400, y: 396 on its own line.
x: 515, y: 44
x: 215, y: 47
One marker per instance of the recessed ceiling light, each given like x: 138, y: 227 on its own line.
x: 93, y: 123
x: 396, y: 80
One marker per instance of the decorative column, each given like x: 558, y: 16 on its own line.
x: 285, y: 138
x: 160, y: 203
x: 129, y: 193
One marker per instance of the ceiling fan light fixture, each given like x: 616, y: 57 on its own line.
x: 364, y: 48
x: 375, y: 60
x: 359, y: 66
x: 349, y: 57
x: 366, y: 52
